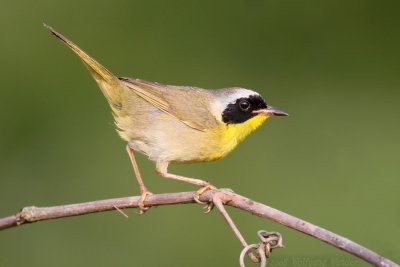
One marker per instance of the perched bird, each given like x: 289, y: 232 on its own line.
x: 176, y: 124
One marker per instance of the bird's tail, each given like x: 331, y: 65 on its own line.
x: 110, y: 85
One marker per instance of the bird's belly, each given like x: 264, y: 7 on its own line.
x: 182, y: 144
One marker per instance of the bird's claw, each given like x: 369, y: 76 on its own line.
x: 208, y: 206
x: 201, y: 191
x: 141, y: 206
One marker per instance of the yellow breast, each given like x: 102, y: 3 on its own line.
x: 228, y: 136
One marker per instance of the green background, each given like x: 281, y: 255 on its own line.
x: 333, y: 65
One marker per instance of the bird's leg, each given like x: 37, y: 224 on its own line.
x: 162, y: 169
x: 144, y: 192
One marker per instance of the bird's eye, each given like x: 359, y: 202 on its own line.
x: 244, y: 105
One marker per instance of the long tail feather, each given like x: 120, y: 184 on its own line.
x: 112, y: 88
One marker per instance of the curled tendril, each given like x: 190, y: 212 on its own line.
x: 262, y: 257
x: 269, y: 241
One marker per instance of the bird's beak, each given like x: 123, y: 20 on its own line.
x: 271, y: 111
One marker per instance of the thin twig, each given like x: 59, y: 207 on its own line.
x: 35, y: 214
x: 121, y: 211
x: 219, y: 200
x: 219, y: 203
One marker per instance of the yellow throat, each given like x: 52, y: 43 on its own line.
x: 232, y: 134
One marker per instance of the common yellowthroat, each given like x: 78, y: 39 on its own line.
x: 176, y: 124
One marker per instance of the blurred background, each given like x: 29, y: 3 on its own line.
x: 333, y: 65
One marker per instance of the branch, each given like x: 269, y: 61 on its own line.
x: 35, y: 214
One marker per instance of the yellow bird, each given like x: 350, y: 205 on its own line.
x: 176, y: 124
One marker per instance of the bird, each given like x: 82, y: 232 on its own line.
x: 176, y: 124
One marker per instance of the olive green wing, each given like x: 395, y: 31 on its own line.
x: 192, y: 106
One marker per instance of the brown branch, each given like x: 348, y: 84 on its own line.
x: 35, y: 214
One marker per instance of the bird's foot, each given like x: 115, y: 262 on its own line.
x: 201, y: 191
x: 143, y: 197
x: 208, y: 206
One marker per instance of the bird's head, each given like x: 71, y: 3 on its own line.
x: 239, y: 105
